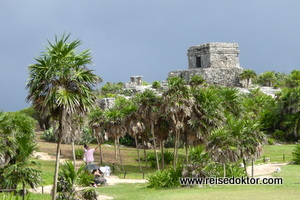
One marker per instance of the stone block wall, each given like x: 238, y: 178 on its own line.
x: 219, y: 76
x: 213, y: 55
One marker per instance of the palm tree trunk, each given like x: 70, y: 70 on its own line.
x: 100, y: 151
x: 73, y: 152
x: 154, y: 143
x: 138, y: 152
x: 244, y: 162
x: 162, y: 154
x: 56, y: 167
x: 145, y: 154
x: 186, y: 150
x: 245, y: 165
x: 121, y: 161
x: 116, y: 156
x: 24, y: 192
x: 100, y: 147
x: 176, y: 148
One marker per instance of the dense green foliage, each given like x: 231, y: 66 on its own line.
x: 70, y: 178
x: 296, y: 154
x: 156, y: 85
x: 165, y: 178
x: 17, y: 143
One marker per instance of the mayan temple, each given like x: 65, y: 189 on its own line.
x: 217, y: 62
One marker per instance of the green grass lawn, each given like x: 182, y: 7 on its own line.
x: 277, y: 153
x: 289, y: 190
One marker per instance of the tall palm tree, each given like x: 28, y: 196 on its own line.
x: 207, y: 113
x: 60, y: 85
x: 177, y: 104
x: 241, y: 138
x: 147, y: 112
x: 162, y: 128
x: 248, y: 74
x: 97, y: 123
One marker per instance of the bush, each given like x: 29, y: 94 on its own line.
x: 296, y: 154
x: 171, y: 141
x: 127, y: 140
x: 156, y: 85
x: 168, y: 158
x: 165, y: 178
x: 89, y: 194
x: 79, y: 154
x: 49, y: 135
x: 235, y: 170
x: 69, y: 178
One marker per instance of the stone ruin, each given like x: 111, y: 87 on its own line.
x: 106, y: 103
x: 217, y: 62
x: 136, y: 84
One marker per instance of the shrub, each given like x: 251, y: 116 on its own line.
x: 165, y: 178
x: 89, y: 194
x: 156, y: 85
x: 235, y: 170
x: 296, y: 154
x: 271, y: 141
x: 70, y: 178
x: 127, y: 140
x: 49, y: 135
x: 171, y: 141
x: 79, y: 154
x: 168, y: 158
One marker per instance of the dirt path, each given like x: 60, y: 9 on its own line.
x: 265, y: 170
x: 111, y: 180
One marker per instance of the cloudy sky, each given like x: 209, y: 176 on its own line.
x: 144, y: 37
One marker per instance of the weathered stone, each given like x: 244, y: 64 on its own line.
x: 106, y: 103
x: 218, y: 63
x: 134, y: 82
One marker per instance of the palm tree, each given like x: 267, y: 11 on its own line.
x: 207, y: 113
x: 60, y: 85
x: 241, y: 139
x: 267, y: 78
x: 161, y: 129
x: 147, y: 113
x: 248, y: 74
x: 97, y: 123
x: 115, y: 129
x: 177, y: 104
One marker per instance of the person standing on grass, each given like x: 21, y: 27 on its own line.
x: 89, y: 154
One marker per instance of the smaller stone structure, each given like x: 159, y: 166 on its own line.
x: 106, y: 103
x: 134, y: 82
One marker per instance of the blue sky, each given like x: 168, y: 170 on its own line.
x: 144, y: 37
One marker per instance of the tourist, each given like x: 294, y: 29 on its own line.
x: 89, y: 154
